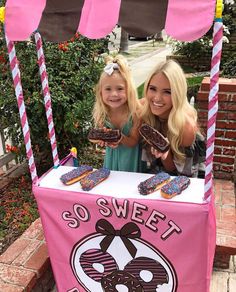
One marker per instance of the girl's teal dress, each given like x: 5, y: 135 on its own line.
x: 122, y: 158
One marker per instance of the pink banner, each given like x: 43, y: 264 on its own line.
x: 185, y: 20
x: 189, y: 20
x: 22, y: 18
x: 98, y: 242
x: 99, y: 17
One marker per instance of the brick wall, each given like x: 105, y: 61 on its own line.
x: 25, y: 265
x: 230, y: 46
x: 225, y: 143
x: 203, y: 63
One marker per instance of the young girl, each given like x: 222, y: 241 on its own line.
x: 115, y: 108
x: 167, y: 109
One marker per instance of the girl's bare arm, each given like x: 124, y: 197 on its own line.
x: 133, y: 138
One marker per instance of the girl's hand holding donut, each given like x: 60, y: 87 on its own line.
x: 101, y: 143
x: 115, y: 144
x: 112, y: 145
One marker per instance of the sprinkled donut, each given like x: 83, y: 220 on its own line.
x: 149, y: 272
x: 94, y: 178
x: 154, y: 138
x: 105, y: 135
x: 175, y: 187
x: 110, y: 281
x: 76, y: 174
x: 153, y: 183
x: 104, y: 261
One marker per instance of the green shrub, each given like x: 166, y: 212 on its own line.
x: 229, y: 68
x: 193, y: 50
x: 203, y: 46
x: 73, y: 69
x: 140, y: 90
x: 195, y: 80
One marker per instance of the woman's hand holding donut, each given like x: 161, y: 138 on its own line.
x: 159, y: 154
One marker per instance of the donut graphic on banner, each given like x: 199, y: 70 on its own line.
x: 120, y: 260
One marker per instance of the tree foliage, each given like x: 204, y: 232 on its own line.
x: 203, y: 46
x: 73, y: 68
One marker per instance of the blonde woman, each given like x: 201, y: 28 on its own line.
x: 115, y: 107
x: 167, y: 109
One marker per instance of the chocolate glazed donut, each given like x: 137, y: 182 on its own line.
x: 105, y: 135
x: 157, y: 272
x: 154, y: 138
x: 95, y: 256
x: 110, y: 281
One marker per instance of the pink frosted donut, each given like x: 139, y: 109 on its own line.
x: 92, y: 257
x: 157, y: 273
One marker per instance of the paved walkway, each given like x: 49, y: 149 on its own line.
x: 143, y: 58
x: 141, y: 68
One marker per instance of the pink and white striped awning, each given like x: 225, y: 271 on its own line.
x: 58, y: 20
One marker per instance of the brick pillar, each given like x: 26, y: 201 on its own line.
x: 225, y: 143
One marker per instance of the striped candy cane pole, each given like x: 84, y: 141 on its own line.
x: 213, y: 98
x: 21, y: 105
x: 47, y: 97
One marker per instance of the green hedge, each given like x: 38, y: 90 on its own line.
x: 73, y: 69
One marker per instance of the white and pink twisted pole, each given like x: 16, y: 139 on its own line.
x: 21, y: 105
x: 47, y: 97
x: 213, y: 103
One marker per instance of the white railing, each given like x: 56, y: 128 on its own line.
x: 6, y: 159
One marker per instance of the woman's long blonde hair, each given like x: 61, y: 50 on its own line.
x: 181, y: 109
x: 100, y: 110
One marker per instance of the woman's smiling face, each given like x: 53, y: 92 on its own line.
x: 159, y: 95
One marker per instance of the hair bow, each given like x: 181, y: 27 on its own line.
x: 110, y: 67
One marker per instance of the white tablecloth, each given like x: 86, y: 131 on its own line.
x: 122, y: 185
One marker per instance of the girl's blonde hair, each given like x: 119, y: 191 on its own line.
x: 100, y: 110
x: 181, y: 109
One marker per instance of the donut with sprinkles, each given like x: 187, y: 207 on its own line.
x: 76, y: 174
x: 154, y: 138
x: 105, y: 135
x: 94, y: 178
x: 128, y: 282
x: 153, y: 183
x: 175, y: 187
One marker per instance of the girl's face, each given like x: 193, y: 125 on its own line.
x: 113, y: 90
x: 159, y: 95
